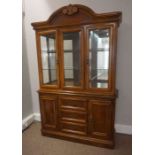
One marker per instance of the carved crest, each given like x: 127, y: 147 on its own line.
x: 70, y: 10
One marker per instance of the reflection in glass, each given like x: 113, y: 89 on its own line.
x: 71, y: 47
x: 49, y: 59
x: 98, y: 58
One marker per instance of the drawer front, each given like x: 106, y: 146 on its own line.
x: 74, y: 103
x: 74, y: 116
x: 73, y: 128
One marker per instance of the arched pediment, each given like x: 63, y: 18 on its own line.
x: 75, y: 15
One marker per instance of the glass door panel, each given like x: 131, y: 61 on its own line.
x: 72, y: 59
x: 49, y: 56
x: 98, y: 58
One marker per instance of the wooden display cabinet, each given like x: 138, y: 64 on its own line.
x: 76, y: 51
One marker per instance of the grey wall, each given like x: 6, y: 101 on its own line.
x: 26, y: 89
x: 41, y: 10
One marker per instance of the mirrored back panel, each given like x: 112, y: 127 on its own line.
x: 72, y: 59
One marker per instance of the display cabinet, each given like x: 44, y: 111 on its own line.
x: 76, y: 51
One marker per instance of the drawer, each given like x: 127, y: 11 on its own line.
x: 74, y: 116
x: 74, y: 103
x: 74, y: 128
x: 47, y: 96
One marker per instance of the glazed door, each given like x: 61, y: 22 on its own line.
x: 99, y: 57
x: 100, y: 119
x: 48, y: 59
x: 72, y: 58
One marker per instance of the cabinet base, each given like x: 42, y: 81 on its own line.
x: 81, y: 139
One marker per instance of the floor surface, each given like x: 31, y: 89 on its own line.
x: 36, y: 144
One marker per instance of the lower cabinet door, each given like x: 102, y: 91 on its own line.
x: 49, y: 112
x: 101, y: 119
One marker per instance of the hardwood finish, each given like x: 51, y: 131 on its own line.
x: 49, y: 111
x: 100, y: 118
x: 76, y: 103
x: 72, y: 127
x: 72, y: 29
x: 71, y: 108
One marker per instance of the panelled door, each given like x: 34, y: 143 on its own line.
x: 49, y: 111
x: 100, y: 118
